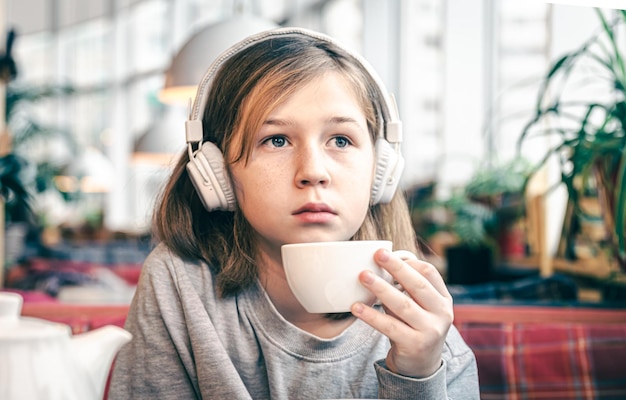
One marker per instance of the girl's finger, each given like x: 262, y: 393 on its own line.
x: 425, y: 288
x: 395, y: 330
x: 431, y: 275
x: 397, y: 304
x: 424, y: 268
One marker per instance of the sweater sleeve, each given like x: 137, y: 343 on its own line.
x: 457, y: 378
x: 152, y: 365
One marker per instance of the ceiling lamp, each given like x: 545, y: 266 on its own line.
x: 194, y: 58
x: 90, y: 172
x: 163, y: 139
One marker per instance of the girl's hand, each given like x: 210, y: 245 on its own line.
x: 416, y: 320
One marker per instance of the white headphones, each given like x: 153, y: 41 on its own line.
x: 206, y: 166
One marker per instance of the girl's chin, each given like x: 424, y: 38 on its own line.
x: 310, y: 238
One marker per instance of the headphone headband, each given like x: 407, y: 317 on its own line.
x: 393, y: 127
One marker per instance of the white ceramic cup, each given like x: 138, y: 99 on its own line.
x: 324, y: 275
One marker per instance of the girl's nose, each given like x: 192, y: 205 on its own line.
x: 311, y: 169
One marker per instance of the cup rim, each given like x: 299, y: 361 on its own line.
x: 335, y: 243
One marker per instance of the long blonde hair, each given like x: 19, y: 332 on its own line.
x: 248, y: 86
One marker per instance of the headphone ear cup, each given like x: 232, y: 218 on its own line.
x: 389, y: 166
x: 208, y: 174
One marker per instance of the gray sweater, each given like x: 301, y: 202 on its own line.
x: 188, y: 343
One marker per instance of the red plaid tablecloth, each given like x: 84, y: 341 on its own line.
x: 548, y: 360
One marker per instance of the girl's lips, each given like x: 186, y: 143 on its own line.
x: 314, y: 217
x: 314, y: 213
x: 314, y: 208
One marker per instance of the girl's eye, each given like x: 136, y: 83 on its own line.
x: 276, y: 141
x: 341, y: 141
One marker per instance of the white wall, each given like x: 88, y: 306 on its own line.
x: 465, y: 90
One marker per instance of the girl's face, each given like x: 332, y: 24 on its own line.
x: 310, y: 171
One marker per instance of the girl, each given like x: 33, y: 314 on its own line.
x: 291, y: 149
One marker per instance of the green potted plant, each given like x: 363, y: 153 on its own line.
x: 474, y: 223
x: 31, y: 165
x: 27, y: 133
x: 12, y: 188
x: 22, y: 176
x: 502, y: 188
x: 588, y: 131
